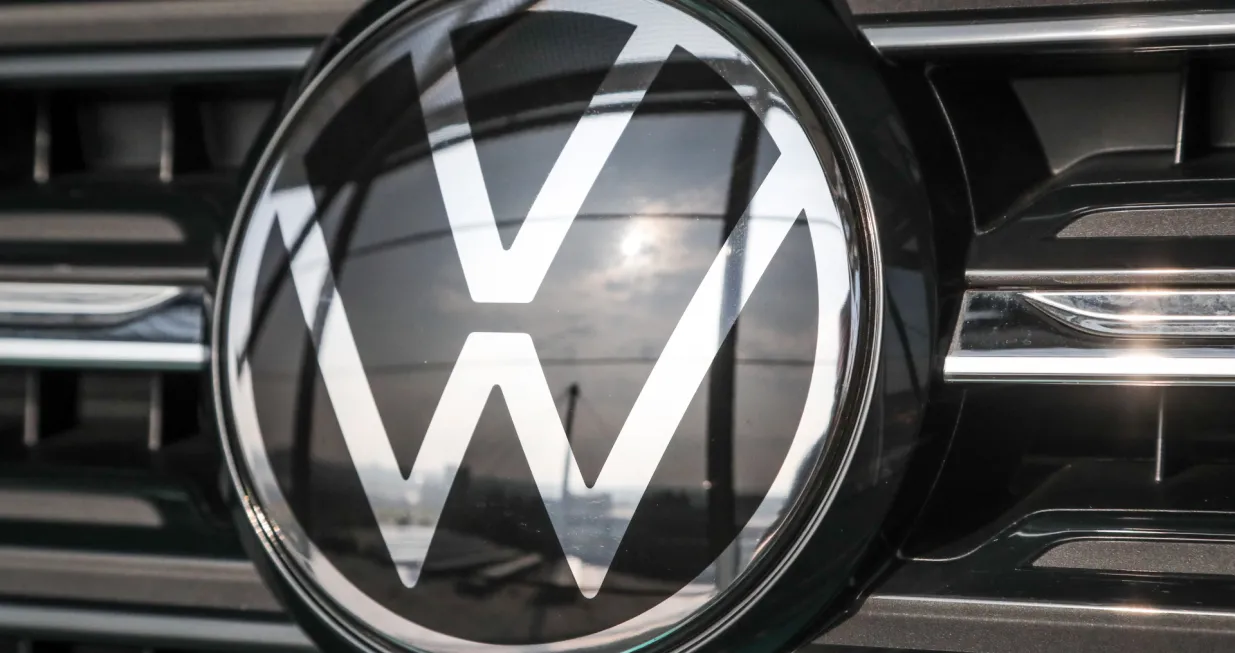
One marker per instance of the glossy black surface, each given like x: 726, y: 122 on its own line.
x: 1047, y: 136
x: 146, y: 232
x: 1020, y: 450
x: 1027, y: 239
x: 1030, y: 468
x: 1003, y: 568
x: 627, y: 269
x: 999, y: 152
x: 680, y: 174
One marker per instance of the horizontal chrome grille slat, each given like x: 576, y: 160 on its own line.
x: 24, y: 303
x: 986, y: 278
x: 1159, y: 367
x: 1123, y: 32
x: 1142, y: 313
x: 120, y: 326
x: 1129, y: 337
x: 129, y: 22
x: 167, y: 356
x: 52, y: 66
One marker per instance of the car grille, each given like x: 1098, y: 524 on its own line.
x: 1077, y: 466
x: 1083, y: 406
x: 124, y: 127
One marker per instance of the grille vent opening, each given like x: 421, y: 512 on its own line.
x: 1081, y: 172
x: 1019, y: 450
x: 110, y: 471
x: 131, y: 423
x: 92, y: 170
x: 1028, y: 128
x: 137, y: 132
x: 1076, y: 117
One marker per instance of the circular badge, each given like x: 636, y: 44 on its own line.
x: 548, y: 326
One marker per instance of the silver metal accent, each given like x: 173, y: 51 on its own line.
x: 1135, y: 277
x: 1157, y: 222
x: 1181, y: 122
x: 796, y: 184
x: 1117, y: 32
x: 30, y: 426
x: 154, y: 430
x: 1160, y: 444
x: 1142, y: 313
x: 167, y: 142
x: 169, y: 356
x: 97, y: 325
x: 77, y: 508
x: 80, y: 303
x: 19, y: 67
x: 42, y: 141
x: 1167, y: 367
x: 1015, y: 336
x: 94, y: 274
x: 89, y: 227
x: 1143, y: 556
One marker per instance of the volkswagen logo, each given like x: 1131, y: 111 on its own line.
x: 547, y: 326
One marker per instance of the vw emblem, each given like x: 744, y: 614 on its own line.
x: 546, y: 326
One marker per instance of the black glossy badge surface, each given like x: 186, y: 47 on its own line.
x: 561, y: 328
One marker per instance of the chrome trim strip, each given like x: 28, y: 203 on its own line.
x: 1141, y: 277
x: 194, y: 276
x: 52, y: 23
x: 150, y: 327
x: 81, y: 301
x: 1121, y: 32
x: 170, y: 356
x: 1161, y: 367
x: 1112, y: 337
x: 19, y: 67
x: 1142, y: 313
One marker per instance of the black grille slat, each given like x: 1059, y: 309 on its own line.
x: 1097, y: 161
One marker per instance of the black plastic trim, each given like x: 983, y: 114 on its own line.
x: 149, y: 629
x: 134, y: 22
x: 905, y: 9
x: 981, y: 626
x: 165, y: 581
